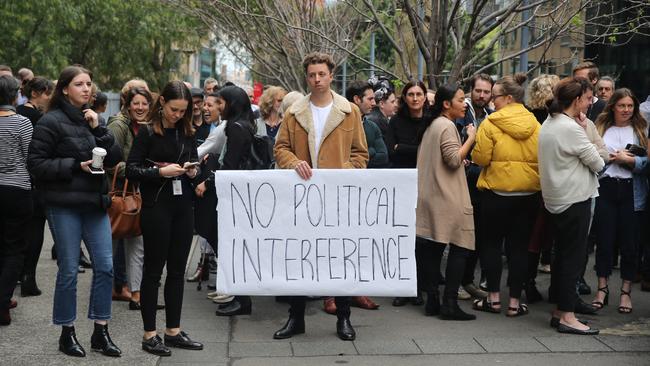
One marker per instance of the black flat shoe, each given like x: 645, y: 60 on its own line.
x: 585, y: 308
x: 69, y: 344
x: 135, y: 305
x: 570, y: 330
x: 234, y: 307
x: 556, y: 321
x: 294, y: 326
x: 101, y: 341
x: 181, y: 340
x: 344, y: 330
x: 155, y: 346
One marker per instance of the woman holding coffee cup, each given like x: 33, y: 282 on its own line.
x: 60, y: 157
x: 161, y: 160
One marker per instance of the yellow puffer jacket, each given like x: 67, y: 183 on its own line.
x: 506, y: 148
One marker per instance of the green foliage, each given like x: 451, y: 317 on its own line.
x: 116, y: 39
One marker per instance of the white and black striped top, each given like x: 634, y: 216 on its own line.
x: 15, y: 136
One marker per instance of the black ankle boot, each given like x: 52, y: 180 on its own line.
x: 432, y: 306
x: 28, y: 286
x: 101, y: 341
x: 69, y: 344
x: 295, y: 325
x: 344, y: 329
x: 451, y: 311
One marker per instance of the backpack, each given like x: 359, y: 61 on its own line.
x: 260, y: 155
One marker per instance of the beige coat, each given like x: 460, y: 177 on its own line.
x: 343, y: 143
x: 444, y: 213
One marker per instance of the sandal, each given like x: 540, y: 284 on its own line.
x: 521, y: 310
x: 485, y: 305
x: 625, y: 309
x: 601, y: 304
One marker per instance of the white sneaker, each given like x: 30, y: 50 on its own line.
x: 463, y: 295
x: 222, y: 299
x: 212, y: 295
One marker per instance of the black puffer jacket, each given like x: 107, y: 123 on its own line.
x: 62, y: 140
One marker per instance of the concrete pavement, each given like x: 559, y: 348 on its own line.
x: 386, y: 336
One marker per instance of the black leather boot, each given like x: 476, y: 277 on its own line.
x: 344, y: 329
x: 451, y: 311
x: 69, y: 344
x: 101, y: 341
x: 432, y: 307
x: 295, y: 325
x: 28, y: 286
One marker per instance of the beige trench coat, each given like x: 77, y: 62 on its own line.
x: 444, y: 212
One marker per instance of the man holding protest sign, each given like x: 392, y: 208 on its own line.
x: 322, y: 130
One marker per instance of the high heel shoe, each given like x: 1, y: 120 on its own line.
x: 625, y: 309
x: 199, y: 273
x: 601, y: 304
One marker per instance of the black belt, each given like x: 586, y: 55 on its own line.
x: 619, y: 180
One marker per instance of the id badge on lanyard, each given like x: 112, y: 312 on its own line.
x: 177, y: 185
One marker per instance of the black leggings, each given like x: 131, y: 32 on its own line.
x: 428, y: 255
x: 167, y: 230
x: 508, y: 218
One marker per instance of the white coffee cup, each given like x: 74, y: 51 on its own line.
x: 98, y: 158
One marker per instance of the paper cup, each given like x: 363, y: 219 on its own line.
x: 98, y: 158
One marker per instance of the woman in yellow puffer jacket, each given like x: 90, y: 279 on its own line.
x: 506, y: 148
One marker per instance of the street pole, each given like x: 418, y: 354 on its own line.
x: 525, y: 39
x: 372, y: 54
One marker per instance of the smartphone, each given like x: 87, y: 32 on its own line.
x: 96, y: 170
x: 191, y: 165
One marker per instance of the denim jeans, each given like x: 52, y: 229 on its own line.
x: 70, y: 226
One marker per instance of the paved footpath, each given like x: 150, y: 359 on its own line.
x: 387, y: 336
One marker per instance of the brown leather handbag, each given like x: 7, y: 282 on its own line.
x: 124, y: 212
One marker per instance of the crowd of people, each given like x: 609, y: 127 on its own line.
x: 534, y: 176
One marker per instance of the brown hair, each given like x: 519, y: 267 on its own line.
x: 63, y: 81
x: 593, y: 74
x: 268, y: 99
x: 174, y: 90
x: 132, y: 94
x: 566, y: 91
x: 513, y: 85
x: 606, y: 119
x: 318, y: 58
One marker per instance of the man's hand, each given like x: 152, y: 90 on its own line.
x: 304, y: 170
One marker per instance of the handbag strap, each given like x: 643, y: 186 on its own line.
x: 114, y: 181
x: 126, y: 184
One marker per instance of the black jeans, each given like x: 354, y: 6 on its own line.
x: 167, y: 230
x: 643, y: 244
x: 508, y: 218
x: 15, y: 213
x: 428, y: 255
x: 616, y: 223
x: 571, y: 228
x: 297, y: 306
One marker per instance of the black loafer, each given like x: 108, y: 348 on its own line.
x: 555, y: 322
x: 570, y: 330
x: 181, y: 340
x: 135, y: 305
x: 155, y: 346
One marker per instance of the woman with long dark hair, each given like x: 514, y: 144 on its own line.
x: 240, y: 128
x: 568, y: 163
x: 622, y: 194
x: 403, y: 138
x: 76, y: 201
x: 444, y: 210
x: 163, y: 160
x: 506, y: 148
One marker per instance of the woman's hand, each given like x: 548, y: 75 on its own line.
x: 91, y: 117
x: 190, y: 169
x: 85, y: 166
x: 200, y: 190
x: 622, y: 157
x: 471, y: 132
x: 304, y: 170
x: 172, y: 170
x: 582, y: 120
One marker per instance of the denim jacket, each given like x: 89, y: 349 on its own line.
x: 640, y: 180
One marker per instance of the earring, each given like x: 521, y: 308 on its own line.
x: 160, y: 111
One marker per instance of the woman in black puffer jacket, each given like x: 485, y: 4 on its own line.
x: 76, y: 201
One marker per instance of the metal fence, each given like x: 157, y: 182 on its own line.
x: 113, y: 105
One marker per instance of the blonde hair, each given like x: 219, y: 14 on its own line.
x: 540, y: 91
x: 288, y: 101
x: 133, y: 83
x: 268, y: 99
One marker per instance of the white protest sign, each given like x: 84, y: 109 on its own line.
x: 343, y: 232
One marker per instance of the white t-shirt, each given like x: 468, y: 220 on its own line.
x: 616, y: 138
x: 319, y: 115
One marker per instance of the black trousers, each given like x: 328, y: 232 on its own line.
x: 616, y: 224
x: 428, y: 256
x: 297, y: 306
x: 15, y: 213
x: 35, y: 233
x: 508, y: 218
x: 472, y: 257
x: 571, y: 228
x: 644, y: 244
x: 167, y: 230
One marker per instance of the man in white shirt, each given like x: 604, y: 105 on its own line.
x: 321, y: 130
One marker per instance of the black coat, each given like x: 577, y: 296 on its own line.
x: 62, y: 140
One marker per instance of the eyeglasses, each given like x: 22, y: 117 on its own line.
x: 494, y: 97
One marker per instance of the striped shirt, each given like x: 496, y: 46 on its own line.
x: 15, y: 136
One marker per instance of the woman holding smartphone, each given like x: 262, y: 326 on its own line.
x: 161, y: 161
